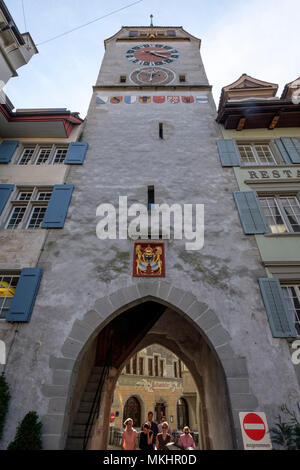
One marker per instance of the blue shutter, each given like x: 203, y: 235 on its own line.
x: 5, y: 192
x: 291, y: 148
x: 251, y: 216
x: 229, y: 153
x: 283, y: 152
x: 281, y: 322
x: 7, y: 149
x: 76, y: 153
x: 25, y: 295
x: 58, y: 206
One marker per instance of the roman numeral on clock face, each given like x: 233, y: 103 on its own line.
x: 152, y: 54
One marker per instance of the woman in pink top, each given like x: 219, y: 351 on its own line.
x: 186, y: 440
x: 128, y: 436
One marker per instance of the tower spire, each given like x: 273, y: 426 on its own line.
x: 151, y: 17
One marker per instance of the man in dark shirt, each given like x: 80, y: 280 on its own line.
x: 153, y: 427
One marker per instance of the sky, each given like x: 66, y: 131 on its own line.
x: 257, y: 37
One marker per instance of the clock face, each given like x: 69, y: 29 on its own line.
x: 152, y: 76
x: 152, y: 54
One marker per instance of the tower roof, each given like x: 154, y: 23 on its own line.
x: 152, y: 33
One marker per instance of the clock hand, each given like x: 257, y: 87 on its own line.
x: 157, y: 54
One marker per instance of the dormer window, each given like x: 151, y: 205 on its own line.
x: 133, y: 34
x: 171, y: 33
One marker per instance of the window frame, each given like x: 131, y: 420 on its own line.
x: 150, y: 367
x: 296, y: 285
x: 7, y: 274
x: 277, y: 196
x: 28, y: 204
x: 277, y: 157
x: 37, y: 149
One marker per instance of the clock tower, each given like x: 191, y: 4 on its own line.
x: 151, y: 136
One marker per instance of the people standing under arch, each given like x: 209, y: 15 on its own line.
x: 146, y: 438
x: 153, y: 426
x: 163, y: 438
x: 129, y: 436
x: 186, y: 439
x: 164, y: 420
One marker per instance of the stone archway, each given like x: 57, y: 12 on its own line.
x: 84, y: 331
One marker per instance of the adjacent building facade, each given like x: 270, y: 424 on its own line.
x: 82, y: 306
x: 262, y: 144
x: 155, y: 380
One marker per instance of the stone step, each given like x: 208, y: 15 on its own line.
x: 74, y: 443
x: 85, y: 407
x: 78, y: 430
x: 91, y: 387
x: 82, y: 418
x: 88, y: 397
x: 94, y: 378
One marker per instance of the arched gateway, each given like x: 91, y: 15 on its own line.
x: 133, y: 318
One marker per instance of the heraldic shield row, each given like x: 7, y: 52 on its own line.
x: 149, y: 99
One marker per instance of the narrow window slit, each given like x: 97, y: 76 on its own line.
x: 161, y: 130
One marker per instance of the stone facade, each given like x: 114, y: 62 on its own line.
x: 215, y: 319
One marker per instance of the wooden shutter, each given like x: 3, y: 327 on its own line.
x: 229, y: 153
x: 290, y: 149
x: 7, y: 149
x: 283, y: 152
x: 250, y: 213
x: 25, y: 295
x: 58, y: 206
x: 5, y: 192
x: 76, y: 153
x: 281, y: 323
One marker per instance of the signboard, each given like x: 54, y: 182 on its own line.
x: 112, y: 417
x: 255, y: 431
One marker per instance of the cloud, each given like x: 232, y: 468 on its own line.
x: 260, y: 38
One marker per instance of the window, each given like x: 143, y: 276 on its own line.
x: 181, y: 78
x: 161, y: 130
x: 161, y: 363
x: 132, y: 409
x: 134, y: 365
x: 180, y: 369
x: 26, y: 156
x: 133, y: 34
x: 182, y: 413
x: 29, y: 208
x: 150, y: 367
x: 122, y: 78
x: 8, y: 284
x: 141, y: 366
x: 42, y: 155
x: 156, y: 366
x: 127, y: 368
x: 171, y: 33
x: 292, y: 296
x: 60, y: 154
x: 282, y: 214
x: 151, y: 197
x: 175, y: 370
x: 256, y: 154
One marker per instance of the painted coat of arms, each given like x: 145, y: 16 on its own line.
x: 149, y: 260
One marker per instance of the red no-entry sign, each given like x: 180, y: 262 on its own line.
x: 112, y: 417
x: 254, y: 427
x: 255, y: 431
